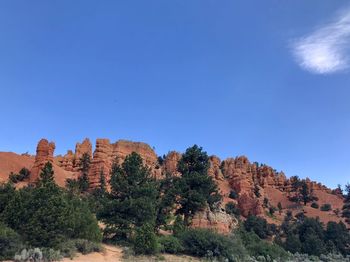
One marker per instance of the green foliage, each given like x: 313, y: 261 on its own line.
x: 257, y: 247
x: 7, y: 192
x: 257, y: 191
x: 33, y: 255
x: 83, y: 180
x: 314, y: 205
x: 204, y: 243
x: 167, y: 197
x: 346, y: 207
x: 22, y: 175
x: 133, y: 199
x: 195, y: 188
x: 257, y: 225
x: 46, y: 177
x: 326, y: 207
x: 233, y: 194
x: 179, y: 225
x: 145, y: 240
x: 10, y: 242
x: 85, y: 246
x: 292, y: 243
x: 170, y: 245
x: 338, y: 234
x: 303, y: 193
x: 279, y: 206
x: 232, y: 209
x: 265, y: 202
x: 46, y: 215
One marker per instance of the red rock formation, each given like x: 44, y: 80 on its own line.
x: 236, y: 174
x: 218, y: 221
x: 44, y: 154
x: 106, y: 154
x: 170, y: 163
x: 248, y: 205
x: 70, y: 161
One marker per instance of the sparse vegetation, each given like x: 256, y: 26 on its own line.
x: 326, y: 207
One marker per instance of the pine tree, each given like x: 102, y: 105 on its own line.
x: 132, y: 201
x: 196, y: 189
x: 46, y: 176
x: 346, y: 206
x: 83, y: 180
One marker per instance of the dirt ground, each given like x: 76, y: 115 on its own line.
x: 115, y: 254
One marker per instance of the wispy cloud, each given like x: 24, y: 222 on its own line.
x: 325, y: 50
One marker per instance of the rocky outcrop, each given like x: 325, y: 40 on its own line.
x: 44, y: 154
x: 106, y: 154
x: 170, y: 163
x: 71, y: 161
x: 249, y: 205
x: 218, y: 221
x: 252, y: 182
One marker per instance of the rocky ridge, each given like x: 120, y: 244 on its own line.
x: 252, y: 182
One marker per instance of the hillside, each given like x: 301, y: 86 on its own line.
x: 254, y: 184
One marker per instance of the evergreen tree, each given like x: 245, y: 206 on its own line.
x: 132, y: 201
x: 46, y: 177
x: 346, y: 206
x: 46, y: 216
x: 195, y: 188
x: 83, y: 180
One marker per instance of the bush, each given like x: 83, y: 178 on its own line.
x: 261, y: 248
x: 33, y: 255
x: 315, y: 205
x: 22, y: 175
x: 232, y: 209
x: 10, y: 242
x: 85, y: 246
x: 326, y: 207
x: 145, y: 241
x: 170, y: 244
x: 204, y: 243
x: 233, y: 195
x: 258, y: 225
x: 50, y: 254
x: 46, y: 215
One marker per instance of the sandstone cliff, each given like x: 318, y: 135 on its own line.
x: 252, y: 182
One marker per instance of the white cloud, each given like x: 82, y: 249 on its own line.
x: 325, y: 50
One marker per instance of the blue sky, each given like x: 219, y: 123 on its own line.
x: 267, y: 79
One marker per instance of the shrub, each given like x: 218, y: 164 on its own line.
x: 10, y: 242
x: 315, y: 205
x: 258, y: 225
x: 46, y: 215
x: 203, y: 242
x: 145, y: 241
x: 232, y: 209
x: 326, y: 207
x: 170, y: 244
x: 85, y: 246
x: 261, y: 248
x: 23, y: 174
x: 50, y: 254
x: 33, y: 255
x: 233, y: 195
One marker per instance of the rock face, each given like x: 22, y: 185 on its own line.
x: 106, y: 154
x: 170, y: 163
x: 218, y: 221
x: 252, y: 183
x: 44, y: 154
x: 71, y: 161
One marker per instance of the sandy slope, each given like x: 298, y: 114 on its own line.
x: 12, y: 162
